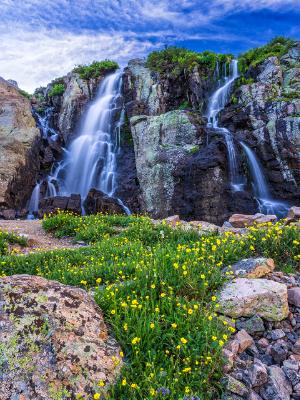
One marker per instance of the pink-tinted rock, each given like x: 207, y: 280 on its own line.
x: 244, y: 340
x: 294, y: 213
x: 56, y: 340
x: 294, y: 296
x: 173, y: 220
x: 244, y: 220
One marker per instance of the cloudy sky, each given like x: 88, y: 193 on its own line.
x: 44, y: 39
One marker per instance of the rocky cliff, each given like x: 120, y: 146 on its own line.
x: 19, y: 139
x: 266, y: 116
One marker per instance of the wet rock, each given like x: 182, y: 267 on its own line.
x: 51, y: 205
x: 99, y: 202
x: 294, y: 296
x: 277, y: 387
x: 251, y: 267
x: 252, y: 325
x: 53, y: 341
x: 247, y: 297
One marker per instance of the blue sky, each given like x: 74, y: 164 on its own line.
x: 44, y: 39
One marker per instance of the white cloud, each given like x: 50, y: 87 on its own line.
x: 43, y: 39
x: 34, y: 58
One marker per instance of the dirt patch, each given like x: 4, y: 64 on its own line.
x: 38, y: 239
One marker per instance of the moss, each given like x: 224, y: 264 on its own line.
x: 126, y: 136
x: 95, y: 69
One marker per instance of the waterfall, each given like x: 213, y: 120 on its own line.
x: 217, y: 102
x: 43, y: 122
x: 266, y: 204
x: 34, y: 201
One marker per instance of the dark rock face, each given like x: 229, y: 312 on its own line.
x: 63, y: 203
x: 99, y: 202
x: 267, y: 118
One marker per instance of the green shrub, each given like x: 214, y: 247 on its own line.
x: 277, y: 47
x: 25, y: 94
x: 57, y: 89
x: 96, y: 69
x: 7, y: 239
x: 177, y: 60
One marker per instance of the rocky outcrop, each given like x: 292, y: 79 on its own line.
x: 98, y: 202
x: 19, y: 142
x: 266, y: 116
x: 54, y: 342
x: 51, y: 205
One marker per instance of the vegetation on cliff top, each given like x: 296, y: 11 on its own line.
x: 57, y: 90
x: 177, y: 60
x: 156, y: 287
x: 95, y: 69
x: 277, y: 47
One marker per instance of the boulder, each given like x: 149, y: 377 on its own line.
x: 98, y: 202
x: 294, y: 213
x: 277, y: 387
x: 64, y: 203
x: 246, y: 297
x: 8, y: 214
x: 18, y: 134
x: 294, y: 296
x: 243, y: 220
x: 244, y: 340
x: 54, y: 342
x: 251, y: 267
x: 205, y: 227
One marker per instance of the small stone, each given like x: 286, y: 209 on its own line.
x: 279, y: 352
x: 254, y: 396
x: 263, y: 342
x: 233, y: 346
x: 297, y: 388
x: 292, y: 375
x: 296, y: 347
x: 252, y: 325
x: 244, y: 340
x: 229, y: 360
x: 294, y: 296
x: 277, y: 334
x: 277, y: 387
x: 258, y: 373
x: 235, y: 386
x: 244, y: 297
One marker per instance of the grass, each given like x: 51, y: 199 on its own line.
x: 177, y: 61
x: 96, y: 69
x: 277, y: 47
x: 156, y: 287
x: 7, y: 239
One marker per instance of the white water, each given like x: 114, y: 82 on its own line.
x: 217, y: 102
x: 266, y: 204
x: 34, y: 202
x: 44, y: 124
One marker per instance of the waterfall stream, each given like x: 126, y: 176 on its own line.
x: 217, y: 102
x: 260, y: 187
x: 91, y: 158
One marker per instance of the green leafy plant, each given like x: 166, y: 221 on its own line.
x: 57, y: 89
x: 177, y: 60
x: 277, y: 47
x: 96, y: 69
x: 25, y: 94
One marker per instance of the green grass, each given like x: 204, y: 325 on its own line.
x: 277, y: 47
x: 7, y: 239
x: 156, y: 287
x: 177, y: 60
x: 96, y: 69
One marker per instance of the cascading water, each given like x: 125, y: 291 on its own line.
x: 43, y: 121
x: 266, y: 204
x: 34, y: 201
x: 217, y: 102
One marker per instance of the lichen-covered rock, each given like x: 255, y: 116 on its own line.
x: 18, y: 134
x: 251, y: 267
x: 160, y: 142
x: 246, y: 297
x: 244, y: 220
x: 277, y: 387
x: 53, y: 341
